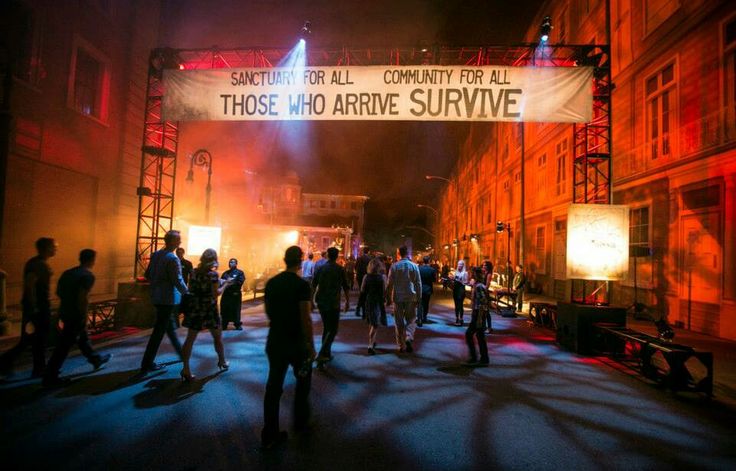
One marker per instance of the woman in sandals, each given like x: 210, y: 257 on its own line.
x: 202, y: 313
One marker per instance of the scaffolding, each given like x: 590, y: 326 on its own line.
x: 592, y: 165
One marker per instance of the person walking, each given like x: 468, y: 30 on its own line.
x: 231, y: 301
x: 290, y: 342
x: 350, y: 272
x: 460, y: 279
x: 428, y: 275
x: 73, y: 290
x: 476, y: 327
x: 36, y: 307
x: 167, y: 288
x: 308, y: 268
x: 204, y: 287
x: 329, y: 280
x: 518, y: 286
x: 404, y: 290
x: 361, y: 268
x: 374, y: 290
x: 488, y: 277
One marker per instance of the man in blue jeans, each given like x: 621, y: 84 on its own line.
x: 167, y: 288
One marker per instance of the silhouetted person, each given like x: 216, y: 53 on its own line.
x: 73, y: 290
x: 231, y: 301
x: 167, y: 288
x: 361, y: 268
x: 329, y: 280
x: 428, y: 275
x: 323, y: 259
x: 36, y: 309
x: 405, y: 291
x: 476, y: 327
x: 288, y: 300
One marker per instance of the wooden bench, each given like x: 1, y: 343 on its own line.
x: 678, y: 367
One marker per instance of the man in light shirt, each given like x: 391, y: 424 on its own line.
x: 308, y: 268
x: 405, y: 291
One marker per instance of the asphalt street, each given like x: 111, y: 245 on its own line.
x: 535, y: 407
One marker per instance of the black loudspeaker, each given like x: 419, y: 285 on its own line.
x: 575, y: 324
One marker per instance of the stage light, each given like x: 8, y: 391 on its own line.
x: 306, y: 29
x: 597, y: 242
x: 545, y: 29
x: 202, y: 238
x: 500, y: 226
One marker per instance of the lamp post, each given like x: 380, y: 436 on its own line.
x: 501, y: 227
x: 436, y: 219
x: 202, y: 158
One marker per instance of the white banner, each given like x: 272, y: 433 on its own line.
x: 385, y: 93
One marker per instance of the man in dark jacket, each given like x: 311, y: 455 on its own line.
x: 329, y: 280
x: 428, y: 276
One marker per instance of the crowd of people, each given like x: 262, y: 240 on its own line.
x: 178, y: 287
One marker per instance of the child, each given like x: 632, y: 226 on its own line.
x: 476, y: 327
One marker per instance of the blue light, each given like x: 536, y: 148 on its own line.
x: 545, y: 38
x: 302, y: 42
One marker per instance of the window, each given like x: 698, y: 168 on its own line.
x: 22, y: 29
x: 539, y: 249
x: 312, y: 203
x: 323, y: 204
x: 561, y: 178
x: 506, y: 185
x: 660, y: 89
x: 729, y: 79
x: 639, y: 227
x: 657, y: 11
x: 333, y: 204
x: 488, y: 214
x: 353, y: 205
x: 563, y: 27
x: 517, y: 178
x: 89, y: 82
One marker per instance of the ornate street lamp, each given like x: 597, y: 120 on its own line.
x: 202, y: 158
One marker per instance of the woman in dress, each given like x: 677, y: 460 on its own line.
x: 204, y: 287
x: 458, y: 291
x: 374, y: 289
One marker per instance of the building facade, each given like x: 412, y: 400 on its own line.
x: 673, y: 158
x: 73, y: 89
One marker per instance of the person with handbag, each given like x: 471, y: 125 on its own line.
x: 374, y: 289
x: 201, y: 312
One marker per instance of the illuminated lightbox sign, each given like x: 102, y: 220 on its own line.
x: 597, y: 242
x: 380, y: 93
x: 202, y: 238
